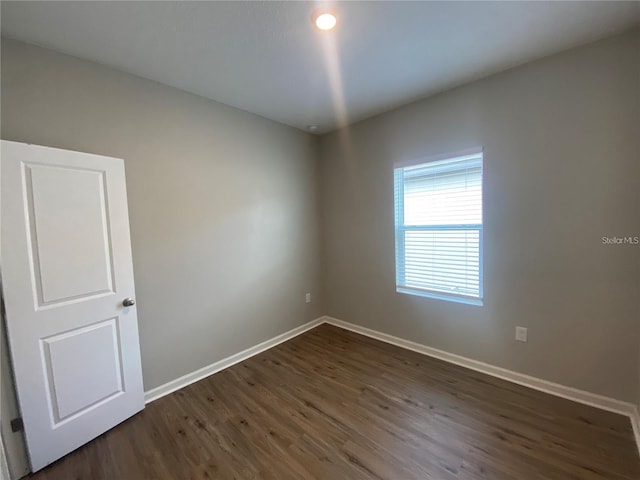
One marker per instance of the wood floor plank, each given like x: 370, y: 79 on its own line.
x: 332, y: 404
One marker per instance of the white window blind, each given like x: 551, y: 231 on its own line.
x: 438, y: 222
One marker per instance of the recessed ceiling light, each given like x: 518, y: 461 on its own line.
x: 325, y: 20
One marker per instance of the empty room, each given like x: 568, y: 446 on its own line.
x: 305, y: 240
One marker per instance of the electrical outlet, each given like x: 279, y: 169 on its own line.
x: 307, y: 298
x: 521, y: 334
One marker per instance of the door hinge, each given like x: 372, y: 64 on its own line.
x: 17, y: 425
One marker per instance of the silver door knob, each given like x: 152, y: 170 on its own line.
x: 128, y: 302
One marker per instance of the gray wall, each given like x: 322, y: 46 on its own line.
x: 222, y: 203
x: 562, y: 170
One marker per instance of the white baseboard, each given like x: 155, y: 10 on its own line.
x: 635, y: 423
x: 188, y: 379
x: 570, y: 393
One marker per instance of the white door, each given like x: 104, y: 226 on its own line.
x: 66, y: 269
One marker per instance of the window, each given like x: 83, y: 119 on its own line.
x: 438, y: 223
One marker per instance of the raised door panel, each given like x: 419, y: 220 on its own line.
x: 83, y: 369
x: 69, y: 235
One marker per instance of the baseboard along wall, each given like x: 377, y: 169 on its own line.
x: 189, y: 378
x: 635, y: 423
x: 570, y: 393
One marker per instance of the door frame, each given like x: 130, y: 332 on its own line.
x: 13, y: 449
x: 13, y: 458
x: 4, y: 468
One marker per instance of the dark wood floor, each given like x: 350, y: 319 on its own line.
x: 332, y: 404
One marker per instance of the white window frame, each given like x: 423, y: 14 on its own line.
x: 401, y: 229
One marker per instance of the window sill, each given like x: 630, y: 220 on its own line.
x: 440, y: 296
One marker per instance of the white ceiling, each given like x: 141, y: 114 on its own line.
x: 267, y: 58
